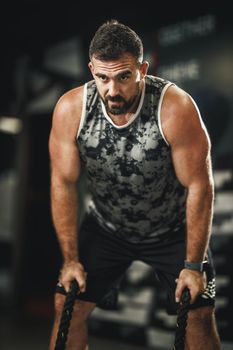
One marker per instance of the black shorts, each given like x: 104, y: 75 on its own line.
x: 106, y: 257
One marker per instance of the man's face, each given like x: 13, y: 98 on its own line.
x: 118, y: 82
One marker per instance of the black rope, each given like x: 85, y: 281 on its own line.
x: 66, y: 316
x: 182, y: 315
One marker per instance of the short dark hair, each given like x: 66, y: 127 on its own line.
x: 112, y: 39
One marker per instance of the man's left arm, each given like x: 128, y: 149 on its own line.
x: 190, y: 149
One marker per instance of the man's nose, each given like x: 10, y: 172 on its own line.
x: 113, y: 89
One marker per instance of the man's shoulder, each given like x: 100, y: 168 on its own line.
x: 68, y: 108
x: 72, y: 96
x: 156, y: 81
x: 174, y: 94
x: 75, y: 96
x: 179, y: 114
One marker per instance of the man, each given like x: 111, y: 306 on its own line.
x: 146, y: 155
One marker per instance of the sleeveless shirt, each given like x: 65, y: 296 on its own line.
x: 134, y: 192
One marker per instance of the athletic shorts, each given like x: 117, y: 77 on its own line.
x: 106, y: 257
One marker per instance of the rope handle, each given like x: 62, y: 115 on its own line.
x: 66, y: 316
x: 182, y: 315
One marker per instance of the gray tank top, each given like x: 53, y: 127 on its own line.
x: 133, y: 189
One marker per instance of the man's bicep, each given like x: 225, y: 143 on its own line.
x: 192, y: 162
x: 63, y: 150
x: 64, y: 159
x: 191, y: 151
x: 187, y: 136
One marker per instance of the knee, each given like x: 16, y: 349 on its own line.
x: 202, y: 317
x: 59, y: 306
x: 59, y: 301
x: 81, y: 310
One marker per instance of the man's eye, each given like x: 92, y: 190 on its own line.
x: 124, y: 77
x: 103, y: 78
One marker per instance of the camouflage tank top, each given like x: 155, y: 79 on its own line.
x: 134, y: 192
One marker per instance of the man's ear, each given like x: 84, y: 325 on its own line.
x: 144, y: 68
x: 90, y: 65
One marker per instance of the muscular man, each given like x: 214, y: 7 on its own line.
x: 146, y: 156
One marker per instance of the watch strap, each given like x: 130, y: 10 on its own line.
x: 196, y: 266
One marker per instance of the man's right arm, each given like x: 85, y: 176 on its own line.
x: 65, y: 169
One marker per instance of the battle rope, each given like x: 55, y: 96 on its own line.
x: 66, y: 316
x: 182, y: 315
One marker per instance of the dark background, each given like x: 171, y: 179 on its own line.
x: 30, y: 27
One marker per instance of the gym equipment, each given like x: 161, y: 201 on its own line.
x: 182, y: 314
x: 66, y: 316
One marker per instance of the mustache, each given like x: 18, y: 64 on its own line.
x: 116, y: 98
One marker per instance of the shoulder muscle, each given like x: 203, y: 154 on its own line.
x: 67, y: 113
x: 181, y: 119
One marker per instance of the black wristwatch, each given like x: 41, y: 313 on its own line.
x: 197, y: 266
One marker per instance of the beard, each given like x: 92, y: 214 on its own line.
x: 124, y: 106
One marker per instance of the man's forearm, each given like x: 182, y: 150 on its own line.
x: 199, y: 216
x: 64, y: 202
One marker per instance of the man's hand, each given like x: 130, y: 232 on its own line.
x: 69, y: 272
x: 195, y: 281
